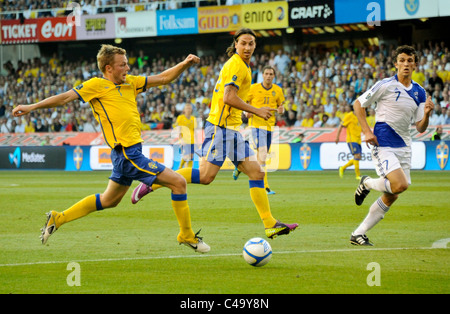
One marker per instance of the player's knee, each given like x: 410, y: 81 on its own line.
x: 399, y: 187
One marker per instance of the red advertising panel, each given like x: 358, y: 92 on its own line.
x: 56, y: 29
x: 13, y: 32
x: 37, y: 30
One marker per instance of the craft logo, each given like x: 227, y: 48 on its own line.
x: 442, y: 154
x: 305, y: 155
x: 411, y: 6
x: 14, y: 158
x: 78, y: 157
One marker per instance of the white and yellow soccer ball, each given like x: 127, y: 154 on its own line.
x: 257, y: 252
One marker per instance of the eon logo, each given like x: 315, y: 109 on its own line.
x: 58, y: 30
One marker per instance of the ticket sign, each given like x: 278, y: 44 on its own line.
x: 219, y: 19
x: 268, y: 15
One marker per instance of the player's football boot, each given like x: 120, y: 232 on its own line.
x: 139, y: 192
x: 49, y: 227
x: 197, y: 244
x: 341, y: 172
x: 279, y: 229
x: 361, y: 192
x: 270, y: 192
x: 236, y: 174
x: 360, y: 239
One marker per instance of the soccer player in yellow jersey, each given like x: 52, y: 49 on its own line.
x: 263, y: 94
x: 113, y: 101
x: 222, y: 137
x: 353, y: 139
x: 185, y: 125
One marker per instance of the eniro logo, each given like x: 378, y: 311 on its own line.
x: 14, y: 158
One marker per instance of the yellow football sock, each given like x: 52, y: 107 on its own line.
x: 190, y: 163
x: 181, y: 163
x: 84, y: 207
x: 261, y: 201
x: 350, y: 162
x: 356, y: 164
x: 181, y: 209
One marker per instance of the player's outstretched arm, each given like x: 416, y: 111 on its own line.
x: 169, y: 75
x: 50, y: 102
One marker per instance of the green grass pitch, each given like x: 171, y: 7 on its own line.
x: 133, y: 248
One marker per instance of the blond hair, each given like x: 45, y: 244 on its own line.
x: 105, y: 56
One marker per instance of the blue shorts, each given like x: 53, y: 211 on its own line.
x: 261, y: 138
x: 221, y: 142
x: 355, y: 148
x: 130, y: 164
x: 187, y: 151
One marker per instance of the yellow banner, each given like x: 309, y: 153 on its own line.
x: 279, y: 158
x: 268, y: 15
x: 219, y: 19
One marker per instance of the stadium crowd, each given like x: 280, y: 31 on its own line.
x: 13, y: 9
x: 319, y: 86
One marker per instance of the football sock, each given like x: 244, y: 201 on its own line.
x: 181, y: 209
x: 84, y: 207
x: 379, y: 184
x: 261, y: 201
x: 356, y: 164
x: 192, y: 175
x: 376, y: 212
x: 348, y: 164
x: 190, y: 163
x: 182, y: 162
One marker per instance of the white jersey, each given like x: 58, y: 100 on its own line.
x: 396, y: 108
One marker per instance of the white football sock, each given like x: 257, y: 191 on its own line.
x: 376, y: 213
x: 379, y: 184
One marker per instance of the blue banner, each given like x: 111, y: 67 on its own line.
x: 177, y: 22
x: 359, y: 11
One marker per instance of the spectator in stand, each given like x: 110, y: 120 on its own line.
x: 4, y: 126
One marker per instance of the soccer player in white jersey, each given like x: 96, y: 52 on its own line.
x: 398, y: 102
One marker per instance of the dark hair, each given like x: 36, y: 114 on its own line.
x: 268, y: 67
x: 231, y: 49
x: 410, y: 51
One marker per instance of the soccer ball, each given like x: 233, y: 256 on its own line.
x: 257, y: 252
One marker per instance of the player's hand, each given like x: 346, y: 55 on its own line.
x: 21, y: 110
x: 429, y: 106
x: 265, y: 112
x: 192, y: 59
x: 371, y: 139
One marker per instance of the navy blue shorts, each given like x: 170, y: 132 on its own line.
x: 355, y: 148
x: 130, y: 164
x: 261, y: 138
x: 221, y: 142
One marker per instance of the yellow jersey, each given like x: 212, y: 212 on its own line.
x: 234, y: 72
x: 115, y: 108
x: 187, y: 127
x: 259, y: 97
x: 351, y: 123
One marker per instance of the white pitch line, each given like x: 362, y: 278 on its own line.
x: 209, y: 255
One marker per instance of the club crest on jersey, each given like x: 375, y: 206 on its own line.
x: 442, y: 154
x: 234, y: 78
